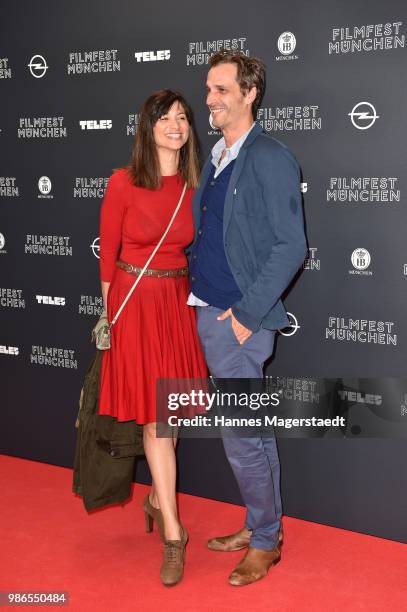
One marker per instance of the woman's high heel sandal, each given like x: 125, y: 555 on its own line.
x: 172, y: 568
x: 152, y: 514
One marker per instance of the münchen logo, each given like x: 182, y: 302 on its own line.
x: 214, y: 131
x: 293, y: 325
x: 95, y: 246
x: 360, y: 259
x: 363, y: 115
x: 286, y: 43
x: 44, y: 185
x: 38, y: 66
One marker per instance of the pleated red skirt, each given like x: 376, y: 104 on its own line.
x: 155, y: 337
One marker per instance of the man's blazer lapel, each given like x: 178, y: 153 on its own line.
x: 239, y: 164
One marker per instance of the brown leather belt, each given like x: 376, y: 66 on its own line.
x: 175, y: 272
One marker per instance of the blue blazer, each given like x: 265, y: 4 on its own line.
x: 263, y: 228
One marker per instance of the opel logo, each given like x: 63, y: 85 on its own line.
x: 363, y: 115
x: 95, y: 247
x: 38, y: 66
x: 292, y: 326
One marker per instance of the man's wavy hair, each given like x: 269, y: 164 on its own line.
x: 251, y: 72
x: 144, y: 167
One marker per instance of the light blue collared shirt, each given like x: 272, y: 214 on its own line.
x: 230, y: 153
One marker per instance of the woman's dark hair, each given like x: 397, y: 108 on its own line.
x: 144, y: 167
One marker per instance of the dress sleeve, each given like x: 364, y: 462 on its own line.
x: 111, y: 219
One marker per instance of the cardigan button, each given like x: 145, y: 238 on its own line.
x: 113, y: 453
x: 204, y: 208
x: 200, y: 232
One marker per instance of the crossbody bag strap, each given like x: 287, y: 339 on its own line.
x: 136, y: 282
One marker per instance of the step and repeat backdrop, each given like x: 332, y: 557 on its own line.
x: 72, y: 80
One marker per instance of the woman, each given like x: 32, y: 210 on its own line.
x: 155, y: 335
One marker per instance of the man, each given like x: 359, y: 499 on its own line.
x: 249, y: 243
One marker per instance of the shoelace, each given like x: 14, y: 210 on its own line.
x: 172, y: 552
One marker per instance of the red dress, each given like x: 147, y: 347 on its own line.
x: 155, y: 335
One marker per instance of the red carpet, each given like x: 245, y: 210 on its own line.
x: 106, y: 561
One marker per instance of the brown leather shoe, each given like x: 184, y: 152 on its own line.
x: 236, y: 541
x: 172, y: 568
x: 152, y: 514
x: 254, y: 565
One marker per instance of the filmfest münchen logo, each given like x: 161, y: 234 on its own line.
x: 286, y: 45
x: 363, y: 115
x: 289, y: 118
x: 89, y: 62
x: 199, y: 52
x: 8, y: 187
x: 5, y: 70
x: 361, y: 330
x: 90, y: 305
x: 53, y: 356
x: 132, y: 124
x: 38, y: 66
x: 370, y: 38
x: 312, y: 262
x: 41, y: 127
x: 90, y: 187
x: 40, y: 244
x: 11, y: 298
x: 363, y: 189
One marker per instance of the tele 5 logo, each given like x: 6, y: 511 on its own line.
x: 94, y: 124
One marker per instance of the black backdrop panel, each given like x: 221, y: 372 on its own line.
x: 336, y: 96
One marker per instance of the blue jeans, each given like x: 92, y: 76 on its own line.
x: 254, y: 461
